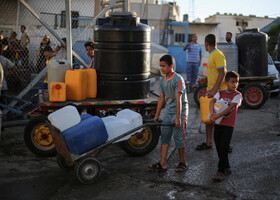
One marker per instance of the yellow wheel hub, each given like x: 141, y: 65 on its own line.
x: 142, y: 139
x: 41, y: 137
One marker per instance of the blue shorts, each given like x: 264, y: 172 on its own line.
x: 178, y: 133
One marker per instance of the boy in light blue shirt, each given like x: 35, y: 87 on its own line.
x: 173, y: 95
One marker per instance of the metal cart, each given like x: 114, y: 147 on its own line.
x: 87, y: 167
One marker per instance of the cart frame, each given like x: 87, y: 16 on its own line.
x: 87, y: 167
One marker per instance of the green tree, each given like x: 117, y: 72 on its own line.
x: 273, y: 39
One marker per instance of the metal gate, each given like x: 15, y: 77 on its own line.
x: 177, y: 39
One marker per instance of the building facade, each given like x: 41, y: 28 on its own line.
x: 236, y: 23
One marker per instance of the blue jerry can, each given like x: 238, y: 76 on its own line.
x: 85, y: 136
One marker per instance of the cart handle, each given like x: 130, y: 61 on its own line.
x: 133, y: 130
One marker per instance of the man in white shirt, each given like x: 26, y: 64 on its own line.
x: 24, y: 41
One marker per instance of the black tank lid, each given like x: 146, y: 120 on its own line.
x: 252, y: 30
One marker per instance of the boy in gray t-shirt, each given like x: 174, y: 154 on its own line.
x: 173, y: 94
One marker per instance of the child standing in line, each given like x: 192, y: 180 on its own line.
x: 48, y: 53
x: 223, y: 131
x: 173, y: 92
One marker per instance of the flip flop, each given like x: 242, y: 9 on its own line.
x: 203, y: 146
x: 182, y: 167
x: 157, y: 167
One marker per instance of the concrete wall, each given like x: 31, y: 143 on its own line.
x: 228, y: 23
x: 201, y: 30
x: 156, y: 12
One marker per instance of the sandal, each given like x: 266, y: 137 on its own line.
x: 203, y: 146
x: 181, y: 167
x: 219, y: 176
x: 157, y: 167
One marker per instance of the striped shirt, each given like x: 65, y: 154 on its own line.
x: 170, y: 87
x: 194, y: 51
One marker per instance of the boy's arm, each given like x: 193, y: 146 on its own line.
x: 226, y: 111
x: 159, y: 106
x: 178, y: 109
x: 219, y: 80
x: 211, y: 106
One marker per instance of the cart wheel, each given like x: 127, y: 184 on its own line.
x: 200, y: 91
x: 37, y: 137
x: 64, y: 164
x: 88, y: 170
x: 254, y: 96
x: 142, y: 143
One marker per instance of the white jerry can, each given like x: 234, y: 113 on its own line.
x: 219, y: 106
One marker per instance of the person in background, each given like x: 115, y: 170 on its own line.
x: 90, y: 52
x: 1, y: 41
x: 173, y: 95
x: 13, y: 46
x: 41, y: 63
x: 223, y: 131
x: 60, y: 51
x: 228, y: 38
x: 193, y: 60
x: 4, y: 45
x: 24, y: 41
x: 216, y: 70
x: 9, y: 68
x: 48, y: 53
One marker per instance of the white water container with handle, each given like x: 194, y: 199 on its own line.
x: 65, y: 118
x: 134, y: 118
x: 56, y: 70
x: 219, y: 106
x: 116, y: 127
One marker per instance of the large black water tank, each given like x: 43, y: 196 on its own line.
x: 122, y: 57
x: 252, y: 53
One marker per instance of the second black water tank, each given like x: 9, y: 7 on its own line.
x: 122, y: 57
x: 252, y: 53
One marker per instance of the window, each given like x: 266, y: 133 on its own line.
x: 180, y: 37
x: 75, y: 21
x: 245, y: 24
x: 242, y: 23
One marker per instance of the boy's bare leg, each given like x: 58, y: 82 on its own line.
x: 209, y: 134
x: 183, y: 165
x: 163, y: 158
x: 181, y: 152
